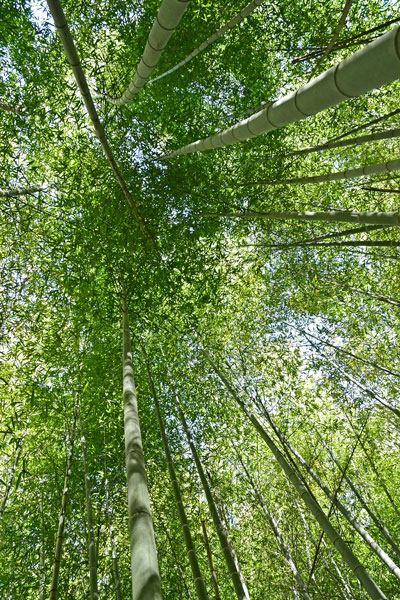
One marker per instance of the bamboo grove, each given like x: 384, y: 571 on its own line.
x: 199, y: 300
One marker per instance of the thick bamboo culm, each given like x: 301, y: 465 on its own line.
x: 146, y: 584
x: 167, y: 20
x: 371, y: 67
x: 242, y: 14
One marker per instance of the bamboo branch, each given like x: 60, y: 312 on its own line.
x: 373, y: 169
x: 343, y: 216
x: 363, y: 139
x: 335, y: 35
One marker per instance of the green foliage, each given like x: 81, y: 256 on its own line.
x: 266, y: 315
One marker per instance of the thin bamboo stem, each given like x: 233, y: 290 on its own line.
x: 114, y: 558
x: 357, y: 141
x: 230, y: 563
x: 373, y: 169
x: 94, y: 592
x: 349, y: 558
x: 210, y: 561
x: 61, y: 523
x: 335, y: 35
x: 190, y: 549
x: 333, y: 216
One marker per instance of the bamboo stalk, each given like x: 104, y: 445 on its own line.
x: 73, y: 59
x: 167, y: 20
x: 331, y: 216
x: 117, y: 580
x: 210, y: 561
x: 190, y: 549
x: 22, y: 191
x: 146, y: 584
x: 230, y: 563
x: 7, y: 491
x: 94, y: 592
x: 362, y: 139
x: 385, y: 558
x: 349, y: 558
x: 61, y: 523
x: 373, y: 169
x: 335, y: 35
x: 302, y: 585
x: 371, y: 67
x: 245, y: 12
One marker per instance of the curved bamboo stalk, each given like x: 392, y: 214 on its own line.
x: 94, y: 592
x: 190, y: 549
x: 362, y: 139
x: 61, y: 523
x: 371, y: 67
x: 332, y: 216
x: 73, y: 59
x: 384, y: 167
x: 167, y: 20
x: 146, y: 584
x: 245, y: 12
x: 348, y: 557
x: 338, y: 29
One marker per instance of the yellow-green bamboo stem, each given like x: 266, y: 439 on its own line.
x: 190, y: 549
x: 373, y: 169
x: 330, y: 216
x: 61, y: 523
x: 94, y: 592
